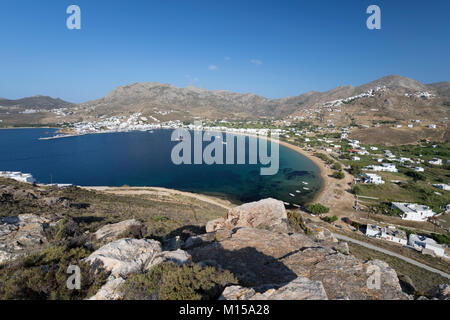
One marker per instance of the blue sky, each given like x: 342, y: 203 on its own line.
x: 271, y: 48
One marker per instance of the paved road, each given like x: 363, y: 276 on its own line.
x: 368, y: 245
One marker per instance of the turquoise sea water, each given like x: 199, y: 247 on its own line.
x: 144, y: 159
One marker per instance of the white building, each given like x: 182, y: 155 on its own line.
x: 419, y: 169
x: 373, y: 230
x: 18, y: 176
x: 435, y: 161
x: 432, y: 126
x: 372, y: 178
x: 394, y: 235
x: 387, y: 167
x: 420, y: 242
x: 442, y: 186
x: 413, y: 211
x: 355, y: 158
x: 387, y: 233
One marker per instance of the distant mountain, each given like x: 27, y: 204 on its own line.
x: 389, y: 99
x: 145, y: 97
x: 394, y: 82
x: 36, y: 102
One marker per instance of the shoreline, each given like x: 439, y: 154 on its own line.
x: 226, y: 204
x: 325, y: 179
x: 317, y: 162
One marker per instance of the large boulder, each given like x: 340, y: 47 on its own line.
x: 110, y: 290
x: 268, y: 214
x: 298, y: 289
x: 440, y: 292
x: 178, y: 257
x: 21, y: 234
x: 111, y: 232
x: 258, y: 257
x: 125, y: 256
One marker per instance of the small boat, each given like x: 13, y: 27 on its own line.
x: 292, y: 195
x: 305, y: 182
x: 180, y: 139
x: 298, y: 191
x: 286, y: 203
x: 305, y: 188
x: 224, y: 142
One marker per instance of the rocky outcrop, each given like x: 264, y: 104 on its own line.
x: 178, y: 257
x: 11, y: 193
x: 113, y: 231
x: 440, y: 292
x: 110, y: 291
x: 21, y: 234
x: 125, y: 256
x: 298, y: 289
x: 259, y: 254
x: 268, y: 214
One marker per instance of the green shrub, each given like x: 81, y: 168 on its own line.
x: 356, y: 189
x: 324, y: 157
x: 416, y: 175
x: 440, y: 238
x: 159, y: 218
x: 330, y: 219
x: 355, y: 169
x: 337, y: 166
x: 317, y: 208
x: 338, y: 175
x: 296, y: 222
x: 167, y: 281
x: 43, y: 276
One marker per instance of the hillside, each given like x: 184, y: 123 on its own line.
x: 33, y: 111
x: 390, y: 100
x: 135, y: 246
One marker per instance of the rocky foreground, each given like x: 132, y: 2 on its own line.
x: 255, y: 244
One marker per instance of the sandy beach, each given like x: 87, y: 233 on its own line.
x: 161, y: 192
x: 330, y: 187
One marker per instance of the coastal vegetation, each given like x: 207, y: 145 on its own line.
x: 167, y: 281
x: 317, y: 208
x: 338, y: 175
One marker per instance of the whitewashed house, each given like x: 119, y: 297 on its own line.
x: 435, y: 161
x: 373, y: 230
x: 372, y: 178
x: 420, y: 242
x: 413, y: 211
x: 387, y: 233
x: 394, y: 235
x: 386, y: 167
x: 419, y: 169
x: 442, y: 186
x: 355, y: 158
